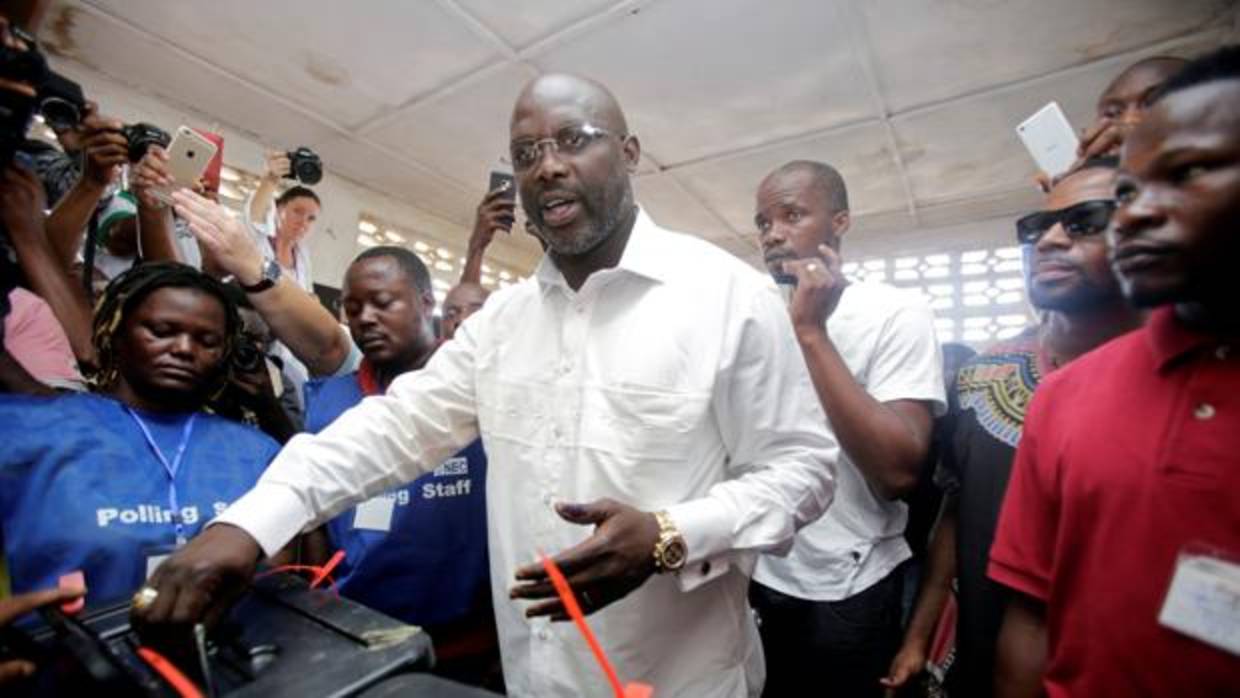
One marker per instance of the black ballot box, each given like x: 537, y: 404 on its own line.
x: 281, y: 640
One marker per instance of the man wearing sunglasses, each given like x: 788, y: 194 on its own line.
x: 648, y: 422
x: 1071, y: 284
x: 1119, y: 537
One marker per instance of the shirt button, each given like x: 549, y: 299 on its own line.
x: 1222, y: 352
x: 548, y: 498
x: 1204, y: 411
x: 543, y: 634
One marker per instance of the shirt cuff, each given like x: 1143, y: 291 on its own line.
x: 271, y: 514
x: 706, y: 526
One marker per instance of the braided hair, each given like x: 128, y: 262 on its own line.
x: 128, y: 290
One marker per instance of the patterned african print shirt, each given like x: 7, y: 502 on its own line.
x: 988, y: 405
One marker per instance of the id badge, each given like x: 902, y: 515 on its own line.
x: 375, y: 514
x: 1203, y: 601
x: 155, y: 556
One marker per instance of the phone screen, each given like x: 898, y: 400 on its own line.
x: 498, y: 179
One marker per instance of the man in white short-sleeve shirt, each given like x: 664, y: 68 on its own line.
x: 830, y: 609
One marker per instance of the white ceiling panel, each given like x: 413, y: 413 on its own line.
x: 969, y: 148
x: 522, y: 23
x: 860, y: 154
x: 697, y: 79
x: 183, y: 80
x: 349, y: 61
x: 930, y: 50
x: 671, y: 206
x: 380, y: 169
x: 465, y: 132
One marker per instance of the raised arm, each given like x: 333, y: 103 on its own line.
x: 296, y: 318
x: 156, y: 228
x: 495, y: 212
x: 884, y: 426
x: 22, y: 202
x: 106, y: 150
x: 278, y: 167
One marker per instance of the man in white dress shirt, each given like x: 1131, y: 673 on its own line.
x: 648, y: 419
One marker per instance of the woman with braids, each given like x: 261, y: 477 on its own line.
x: 110, y: 482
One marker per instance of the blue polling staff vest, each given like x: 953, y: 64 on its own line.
x: 80, y: 488
x: 431, y: 565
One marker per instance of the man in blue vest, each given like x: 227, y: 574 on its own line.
x: 417, y: 552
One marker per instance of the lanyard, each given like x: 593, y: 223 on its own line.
x: 170, y: 468
x: 366, y: 379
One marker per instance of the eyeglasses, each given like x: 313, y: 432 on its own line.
x: 1084, y: 219
x: 569, y: 140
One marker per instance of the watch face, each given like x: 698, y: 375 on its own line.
x: 674, y: 554
x: 272, y: 271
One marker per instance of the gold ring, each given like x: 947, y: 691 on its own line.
x: 145, y: 597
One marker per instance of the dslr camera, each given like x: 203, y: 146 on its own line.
x: 57, y: 98
x: 141, y: 136
x: 305, y: 165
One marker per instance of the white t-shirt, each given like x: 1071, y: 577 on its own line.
x: 886, y: 337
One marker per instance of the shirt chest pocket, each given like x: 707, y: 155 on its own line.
x: 644, y: 425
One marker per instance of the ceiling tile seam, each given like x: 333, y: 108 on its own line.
x: 479, y: 28
x: 1068, y: 72
x: 783, y: 141
x: 835, y: 129
x: 167, y: 44
x: 521, y: 57
x: 862, y: 49
x: 700, y: 201
x: 581, y: 27
x: 253, y: 87
x: 447, y: 89
x: 484, y: 31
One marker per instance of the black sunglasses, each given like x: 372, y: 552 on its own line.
x: 1081, y: 220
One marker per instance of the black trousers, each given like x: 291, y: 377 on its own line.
x: 829, y: 648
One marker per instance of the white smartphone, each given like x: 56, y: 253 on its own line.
x: 1049, y: 138
x: 188, y: 157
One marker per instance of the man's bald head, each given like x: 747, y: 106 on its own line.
x: 463, y: 300
x: 1134, y: 88
x: 572, y: 156
x: 561, y: 89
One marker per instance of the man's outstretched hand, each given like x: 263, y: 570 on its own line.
x: 602, y: 569
x: 196, y: 583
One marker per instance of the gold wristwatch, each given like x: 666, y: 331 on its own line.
x: 670, y: 551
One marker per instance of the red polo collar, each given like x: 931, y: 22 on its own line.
x: 1170, y: 340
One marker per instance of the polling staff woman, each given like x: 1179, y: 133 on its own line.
x: 112, y: 481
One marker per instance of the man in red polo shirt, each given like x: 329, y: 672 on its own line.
x: 1120, y: 532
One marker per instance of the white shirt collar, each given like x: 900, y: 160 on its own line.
x: 642, y: 256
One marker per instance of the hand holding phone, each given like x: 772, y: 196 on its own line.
x: 189, y: 154
x: 505, y: 181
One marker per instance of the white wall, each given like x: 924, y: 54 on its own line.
x: 333, y: 244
